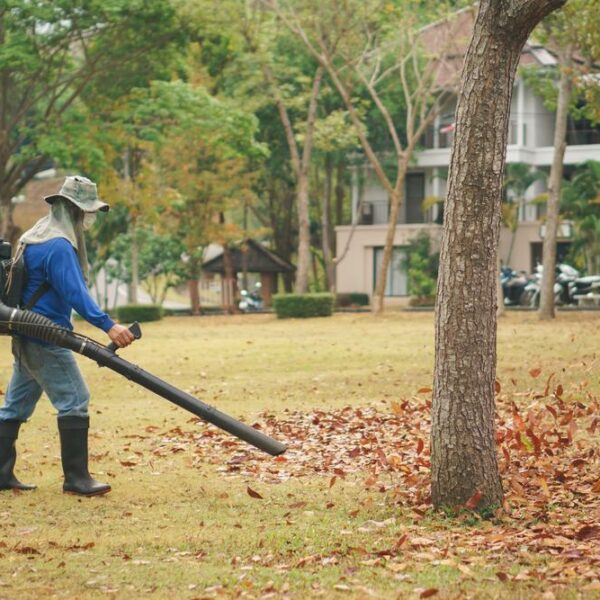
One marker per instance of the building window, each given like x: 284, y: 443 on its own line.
x: 397, y: 279
x: 415, y: 194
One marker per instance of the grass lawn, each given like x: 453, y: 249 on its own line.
x: 344, y: 514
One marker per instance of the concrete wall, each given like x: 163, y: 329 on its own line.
x: 355, y: 273
x: 521, y: 254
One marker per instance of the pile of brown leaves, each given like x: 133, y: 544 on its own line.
x: 549, y: 460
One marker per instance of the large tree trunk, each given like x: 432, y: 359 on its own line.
x: 556, y: 175
x: 463, y: 449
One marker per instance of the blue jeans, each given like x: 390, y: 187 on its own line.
x: 49, y: 369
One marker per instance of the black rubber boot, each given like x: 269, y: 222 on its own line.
x: 9, y: 432
x: 74, y: 451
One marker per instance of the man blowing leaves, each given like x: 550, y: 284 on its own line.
x: 55, y: 256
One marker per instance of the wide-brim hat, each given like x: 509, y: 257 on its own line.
x: 80, y: 191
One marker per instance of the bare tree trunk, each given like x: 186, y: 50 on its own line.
x: 326, y: 225
x: 5, y: 216
x: 339, y: 194
x: 396, y: 199
x: 135, y: 277
x: 229, y: 277
x: 301, y: 165
x: 193, y: 286
x: 463, y: 449
x: 303, y: 265
x: 194, y: 296
x: 556, y: 174
x: 303, y: 188
x: 513, y: 237
x: 12, y: 181
x: 128, y: 175
x: 229, y: 291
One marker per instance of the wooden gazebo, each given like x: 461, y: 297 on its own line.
x: 252, y: 257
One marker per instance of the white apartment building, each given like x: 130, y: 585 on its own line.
x: 530, y: 141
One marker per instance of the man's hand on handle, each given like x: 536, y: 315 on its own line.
x: 120, y: 335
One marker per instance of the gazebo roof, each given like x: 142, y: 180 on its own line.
x: 254, y: 258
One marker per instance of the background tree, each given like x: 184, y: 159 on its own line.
x: 463, y: 449
x: 99, y: 241
x: 159, y: 265
x: 208, y: 179
x: 51, y: 54
x: 519, y: 178
x: 377, y: 46
x: 267, y: 69
x: 422, y: 266
x: 574, y: 35
x: 335, y: 139
x: 168, y: 119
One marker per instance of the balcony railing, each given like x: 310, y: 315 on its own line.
x: 583, y: 137
x: 445, y: 139
x: 375, y: 213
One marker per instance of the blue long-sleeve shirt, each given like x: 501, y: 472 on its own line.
x: 55, y: 261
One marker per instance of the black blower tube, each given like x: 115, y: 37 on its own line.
x: 25, y: 322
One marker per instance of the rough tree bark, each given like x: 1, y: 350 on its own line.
x: 463, y: 449
x: 556, y: 174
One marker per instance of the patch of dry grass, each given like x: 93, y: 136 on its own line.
x: 174, y: 527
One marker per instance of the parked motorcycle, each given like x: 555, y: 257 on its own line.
x: 513, y: 286
x: 567, y: 286
x: 573, y: 284
x: 251, y: 301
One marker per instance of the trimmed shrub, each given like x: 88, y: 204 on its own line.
x: 139, y: 312
x: 352, y: 299
x: 302, y: 306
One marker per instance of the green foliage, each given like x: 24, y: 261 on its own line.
x: 580, y: 201
x: 58, y: 57
x: 422, y: 267
x: 352, y: 299
x: 168, y: 107
x: 139, y: 312
x: 159, y: 261
x: 302, y: 306
x: 574, y: 28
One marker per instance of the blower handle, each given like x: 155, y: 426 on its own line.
x: 137, y: 334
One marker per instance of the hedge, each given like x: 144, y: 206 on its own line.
x: 139, y: 312
x: 352, y: 299
x: 303, y: 305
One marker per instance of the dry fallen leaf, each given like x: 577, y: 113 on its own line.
x: 474, y: 500
x: 253, y: 494
x: 588, y: 532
